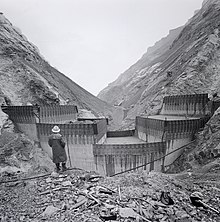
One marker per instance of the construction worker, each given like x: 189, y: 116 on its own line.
x: 58, y: 149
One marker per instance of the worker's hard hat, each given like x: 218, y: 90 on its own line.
x: 56, y: 129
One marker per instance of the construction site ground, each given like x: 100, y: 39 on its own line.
x: 76, y: 195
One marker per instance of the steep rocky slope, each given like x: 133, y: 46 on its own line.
x: 25, y: 76
x: 131, y: 77
x: 186, y: 61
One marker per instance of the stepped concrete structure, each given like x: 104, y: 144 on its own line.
x: 180, y: 118
x: 154, y: 144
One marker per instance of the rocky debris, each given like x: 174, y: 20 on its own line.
x: 73, y: 196
x: 209, y: 140
x: 49, y: 211
x: 41, y: 93
x: 20, y: 154
x: 196, y: 200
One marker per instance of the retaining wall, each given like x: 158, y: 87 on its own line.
x: 100, y: 129
x: 85, y: 142
x: 192, y: 105
x: 25, y: 119
x: 81, y: 156
x: 155, y: 130
x: 57, y: 114
x: 79, y: 139
x: 176, y: 133
x: 73, y: 134
x: 124, y: 133
x: 115, y: 158
x: 28, y: 129
x: 21, y: 114
x: 42, y: 114
x: 76, y: 133
x: 172, y: 145
x: 92, y: 119
x: 146, y: 128
x: 78, y: 155
x: 37, y: 122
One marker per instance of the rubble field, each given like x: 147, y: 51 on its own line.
x: 76, y: 195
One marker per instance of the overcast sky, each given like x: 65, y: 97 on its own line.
x: 93, y: 41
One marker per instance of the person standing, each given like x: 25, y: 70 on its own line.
x: 57, y: 144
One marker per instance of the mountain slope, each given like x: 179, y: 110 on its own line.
x: 191, y: 56
x: 25, y: 77
x: 136, y: 72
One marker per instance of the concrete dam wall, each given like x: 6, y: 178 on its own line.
x: 114, y: 158
x: 152, y: 130
x: 190, y: 105
x: 37, y: 123
x: 79, y: 140
x: 25, y: 119
x: 92, y: 148
x: 57, y: 114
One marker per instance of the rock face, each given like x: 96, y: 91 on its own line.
x: 184, y: 62
x: 25, y: 77
x: 131, y: 77
x: 18, y: 153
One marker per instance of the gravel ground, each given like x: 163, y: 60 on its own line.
x: 79, y: 196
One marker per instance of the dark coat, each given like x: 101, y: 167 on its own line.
x: 58, y: 148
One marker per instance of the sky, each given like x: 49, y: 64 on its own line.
x: 94, y: 41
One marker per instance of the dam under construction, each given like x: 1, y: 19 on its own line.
x: 154, y: 144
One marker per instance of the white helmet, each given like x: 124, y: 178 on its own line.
x: 56, y: 129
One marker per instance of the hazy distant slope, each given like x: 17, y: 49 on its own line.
x: 191, y: 53
x: 117, y: 90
